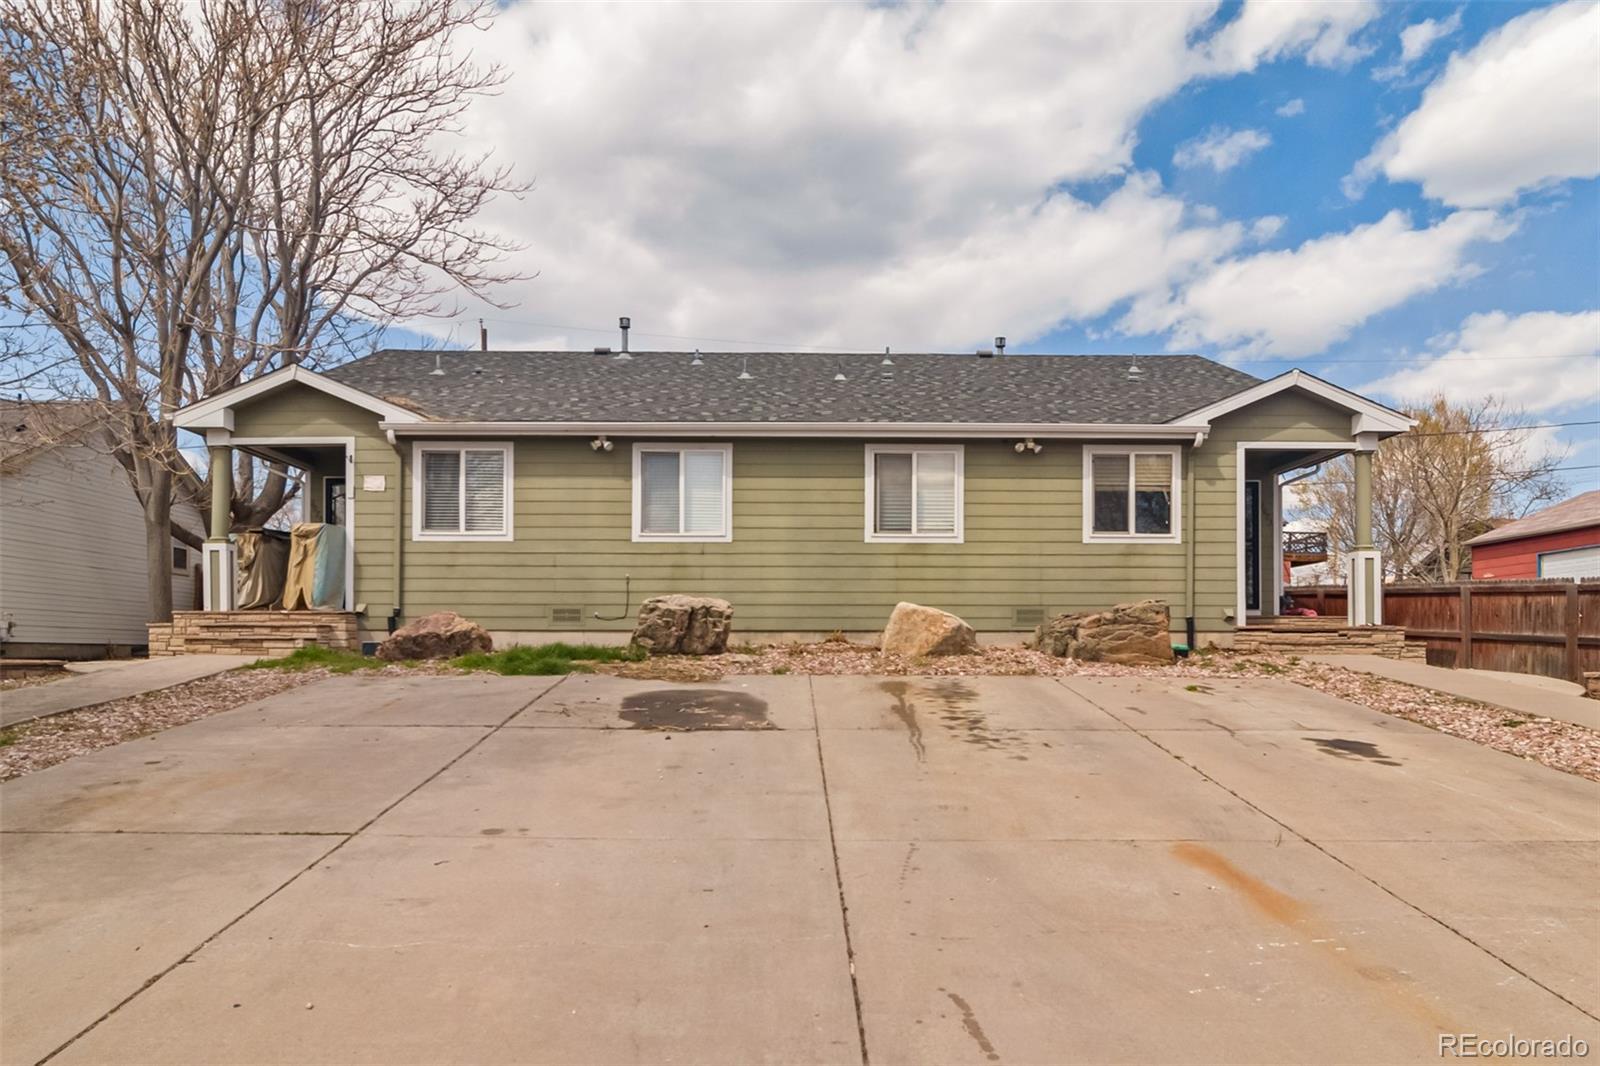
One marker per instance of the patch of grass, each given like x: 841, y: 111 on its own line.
x: 8, y: 737
x: 1512, y: 723
x: 780, y: 669
x: 315, y: 656
x: 1197, y: 688
x: 543, y: 660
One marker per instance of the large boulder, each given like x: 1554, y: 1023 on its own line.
x: 917, y: 630
x: 683, y: 625
x: 1135, y: 634
x: 443, y: 635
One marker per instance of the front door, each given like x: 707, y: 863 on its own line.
x: 1252, y: 546
x: 333, y: 500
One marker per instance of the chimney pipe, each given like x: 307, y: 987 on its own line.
x: 625, y: 322
x: 999, y: 346
x: 483, y: 336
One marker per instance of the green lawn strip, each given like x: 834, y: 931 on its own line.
x: 315, y: 656
x: 518, y: 661
x: 547, y: 659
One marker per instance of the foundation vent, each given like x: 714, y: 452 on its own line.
x: 571, y: 617
x: 1027, y: 617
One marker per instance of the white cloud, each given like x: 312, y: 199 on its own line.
x: 888, y: 181
x: 852, y: 175
x: 1266, y: 227
x: 749, y: 170
x: 1516, y: 112
x: 1294, y: 107
x: 1539, y: 361
x: 1267, y: 30
x: 1299, y: 301
x: 1415, y: 40
x: 1220, y: 149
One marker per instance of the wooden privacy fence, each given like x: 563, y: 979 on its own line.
x: 1526, y: 627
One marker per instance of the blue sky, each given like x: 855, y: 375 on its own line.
x: 1320, y: 122
x: 1401, y: 198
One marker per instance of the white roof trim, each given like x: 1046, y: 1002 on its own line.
x: 216, y: 412
x: 1367, y: 416
x: 917, y: 430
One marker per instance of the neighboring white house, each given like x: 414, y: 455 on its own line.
x: 72, y: 552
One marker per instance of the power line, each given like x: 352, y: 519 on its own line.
x: 1501, y: 429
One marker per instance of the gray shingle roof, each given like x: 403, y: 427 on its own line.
x: 786, y: 387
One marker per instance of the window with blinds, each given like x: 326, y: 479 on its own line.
x: 1130, y: 493
x: 915, y: 493
x: 461, y: 491
x: 682, y: 492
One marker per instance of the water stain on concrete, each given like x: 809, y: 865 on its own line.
x: 1341, y: 748
x: 963, y: 715
x: 906, y: 711
x: 969, y: 1022
x: 1392, y: 987
x: 956, y: 707
x: 1263, y: 897
x: 692, y: 709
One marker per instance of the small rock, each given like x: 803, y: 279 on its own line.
x: 683, y: 625
x: 916, y: 630
x: 442, y: 635
x: 1137, y: 634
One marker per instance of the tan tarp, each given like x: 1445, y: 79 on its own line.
x: 315, y: 581
x: 263, y: 562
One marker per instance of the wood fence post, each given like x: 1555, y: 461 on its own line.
x: 1322, y: 602
x: 1464, y: 660
x: 1573, y: 673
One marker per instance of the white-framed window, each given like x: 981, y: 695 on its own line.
x: 683, y: 492
x: 1131, y: 493
x: 461, y: 490
x: 914, y: 493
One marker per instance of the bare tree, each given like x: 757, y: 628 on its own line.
x: 1436, y: 487
x: 193, y: 193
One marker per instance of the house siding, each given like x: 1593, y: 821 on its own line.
x: 798, y: 560
x: 1518, y: 560
x: 72, y: 555
x: 300, y: 412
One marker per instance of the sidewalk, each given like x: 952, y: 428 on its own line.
x: 1512, y: 692
x: 111, y: 683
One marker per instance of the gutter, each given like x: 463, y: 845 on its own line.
x: 1195, y: 434
x: 399, y: 529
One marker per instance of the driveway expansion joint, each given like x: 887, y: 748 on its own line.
x: 1525, y: 975
x: 189, y: 955
x: 838, y: 877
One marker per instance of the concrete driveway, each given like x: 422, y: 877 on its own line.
x: 490, y: 870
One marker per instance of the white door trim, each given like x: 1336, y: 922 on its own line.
x: 1324, y: 449
x: 349, y: 445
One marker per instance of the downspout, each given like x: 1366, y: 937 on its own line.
x: 1188, y: 540
x: 399, y: 529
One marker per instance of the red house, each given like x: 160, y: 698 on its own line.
x: 1559, y: 541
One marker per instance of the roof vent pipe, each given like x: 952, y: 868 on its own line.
x: 1000, y: 346
x: 625, y: 322
x: 483, y: 336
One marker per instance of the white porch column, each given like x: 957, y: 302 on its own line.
x: 1364, y: 566
x: 217, y: 573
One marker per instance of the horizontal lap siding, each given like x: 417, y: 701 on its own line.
x: 297, y: 411
x: 1288, y: 416
x: 798, y: 559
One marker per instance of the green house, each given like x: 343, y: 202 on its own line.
x: 550, y: 492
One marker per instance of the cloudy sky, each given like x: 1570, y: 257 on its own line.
x: 1401, y: 198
